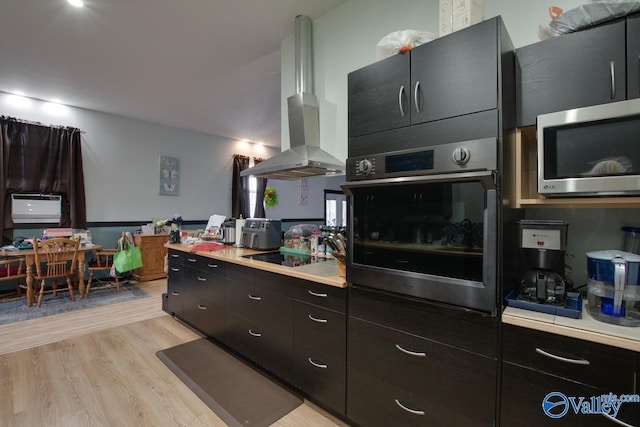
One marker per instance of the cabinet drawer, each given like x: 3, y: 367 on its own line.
x: 271, y: 310
x: 372, y: 402
x: 176, y: 256
x: 457, y: 327
x: 322, y: 329
x: 204, y: 264
x: 441, y: 374
x: 204, y: 285
x: 204, y: 315
x: 272, y: 351
x: 322, y: 295
x: 582, y: 361
x: 523, y: 391
x: 276, y: 283
x: 237, y: 273
x: 320, y: 376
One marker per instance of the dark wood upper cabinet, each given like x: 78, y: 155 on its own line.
x: 447, y: 77
x: 574, y: 70
x: 633, y: 56
x: 380, y: 96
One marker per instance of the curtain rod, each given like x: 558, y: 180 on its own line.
x: 30, y: 122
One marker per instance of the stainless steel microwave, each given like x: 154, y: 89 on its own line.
x: 590, y: 151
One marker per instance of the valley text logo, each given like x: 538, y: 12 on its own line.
x: 556, y: 404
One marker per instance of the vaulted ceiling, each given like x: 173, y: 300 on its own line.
x: 211, y: 66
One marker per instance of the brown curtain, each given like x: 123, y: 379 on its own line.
x: 42, y: 159
x: 240, y: 188
x: 261, y: 184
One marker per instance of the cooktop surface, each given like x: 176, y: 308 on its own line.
x: 287, y: 260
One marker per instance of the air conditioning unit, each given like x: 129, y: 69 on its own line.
x: 36, y: 208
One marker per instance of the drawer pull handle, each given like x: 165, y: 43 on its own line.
x: 612, y: 70
x: 175, y: 256
x: 174, y: 293
x: 415, y: 96
x: 255, y: 298
x: 175, y: 269
x: 316, y: 364
x: 315, y: 319
x: 192, y: 259
x: 563, y: 359
x: 255, y: 334
x: 409, y: 410
x: 202, y: 279
x: 411, y: 353
x: 212, y: 265
x: 615, y: 420
x: 400, y: 93
x: 202, y: 307
x: 316, y: 294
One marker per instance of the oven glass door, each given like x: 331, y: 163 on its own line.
x: 434, y: 239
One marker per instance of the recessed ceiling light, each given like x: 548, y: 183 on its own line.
x: 76, y: 3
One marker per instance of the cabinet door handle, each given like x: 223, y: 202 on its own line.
x: 212, y: 265
x: 315, y: 319
x: 174, y: 293
x: 415, y: 96
x: 192, y: 259
x: 411, y: 353
x: 255, y: 334
x: 409, y: 410
x: 175, y: 269
x: 202, y: 279
x: 316, y: 364
x: 175, y: 256
x: 400, y: 93
x: 317, y: 294
x: 615, y: 420
x: 202, y: 307
x: 563, y: 359
x: 612, y: 69
x: 255, y: 298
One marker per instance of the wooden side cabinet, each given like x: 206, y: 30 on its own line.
x: 153, y: 253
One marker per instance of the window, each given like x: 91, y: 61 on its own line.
x: 253, y: 185
x: 335, y: 208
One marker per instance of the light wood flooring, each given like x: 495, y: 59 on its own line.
x: 97, y: 367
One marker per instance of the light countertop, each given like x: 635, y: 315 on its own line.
x: 586, y: 328
x: 325, y: 272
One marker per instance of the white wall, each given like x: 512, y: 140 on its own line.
x: 121, y: 163
x: 345, y: 40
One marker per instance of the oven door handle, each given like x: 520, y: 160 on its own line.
x: 486, y: 177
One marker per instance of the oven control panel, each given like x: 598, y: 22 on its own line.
x: 475, y: 155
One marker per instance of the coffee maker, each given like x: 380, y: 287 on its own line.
x: 543, y: 243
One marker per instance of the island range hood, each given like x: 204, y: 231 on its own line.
x: 305, y: 158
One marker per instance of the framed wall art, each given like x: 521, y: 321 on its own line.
x: 169, y: 176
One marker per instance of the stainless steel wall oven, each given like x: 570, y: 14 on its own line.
x: 424, y: 222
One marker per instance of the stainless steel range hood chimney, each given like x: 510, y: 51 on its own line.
x: 305, y: 158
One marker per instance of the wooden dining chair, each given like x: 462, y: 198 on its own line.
x: 55, y: 259
x: 103, y: 262
x: 13, y: 268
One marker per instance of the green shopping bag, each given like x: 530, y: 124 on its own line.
x: 128, y: 257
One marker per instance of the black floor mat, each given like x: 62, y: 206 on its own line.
x: 236, y: 392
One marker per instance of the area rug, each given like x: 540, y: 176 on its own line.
x: 236, y: 392
x: 15, y: 311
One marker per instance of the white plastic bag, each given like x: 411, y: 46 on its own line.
x: 400, y: 41
x: 591, y: 13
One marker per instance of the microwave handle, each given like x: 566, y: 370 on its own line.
x: 612, y: 70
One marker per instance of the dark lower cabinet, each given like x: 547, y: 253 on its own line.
x: 402, y: 368
x: 321, y: 376
x: 567, y: 374
x: 175, y: 295
x: 633, y: 56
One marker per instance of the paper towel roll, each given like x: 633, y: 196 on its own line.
x: 239, y: 227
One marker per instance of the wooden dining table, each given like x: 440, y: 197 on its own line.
x: 29, y: 256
